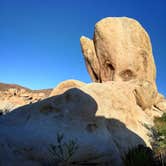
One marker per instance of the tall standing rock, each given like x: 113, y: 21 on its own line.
x: 91, y: 59
x: 120, y: 50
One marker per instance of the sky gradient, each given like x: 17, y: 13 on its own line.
x: 39, y: 39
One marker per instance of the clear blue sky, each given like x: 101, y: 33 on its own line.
x: 39, y: 39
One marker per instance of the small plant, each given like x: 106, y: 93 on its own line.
x: 63, y: 151
x: 139, y: 156
x: 160, y: 142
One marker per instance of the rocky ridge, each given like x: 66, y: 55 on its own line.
x: 13, y: 96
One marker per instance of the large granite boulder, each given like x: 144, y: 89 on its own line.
x: 120, y: 50
x: 103, y: 119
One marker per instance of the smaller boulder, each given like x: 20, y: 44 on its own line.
x: 161, y: 105
x: 145, y: 94
x: 65, y: 85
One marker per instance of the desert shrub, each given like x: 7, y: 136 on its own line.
x: 160, y: 127
x: 62, y: 152
x: 160, y: 142
x: 139, y: 156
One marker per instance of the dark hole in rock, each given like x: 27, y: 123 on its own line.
x: 91, y: 127
x: 46, y: 108
x: 127, y: 75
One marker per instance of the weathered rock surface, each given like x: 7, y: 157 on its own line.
x: 146, y: 94
x: 120, y: 50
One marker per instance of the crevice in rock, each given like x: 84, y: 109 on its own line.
x: 111, y: 71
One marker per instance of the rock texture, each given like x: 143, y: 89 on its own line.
x: 120, y: 50
x: 104, y: 118
x: 146, y: 94
x: 12, y: 96
x: 64, y: 86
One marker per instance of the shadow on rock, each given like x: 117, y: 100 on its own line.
x: 59, y: 123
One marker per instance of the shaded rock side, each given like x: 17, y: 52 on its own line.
x: 104, y: 119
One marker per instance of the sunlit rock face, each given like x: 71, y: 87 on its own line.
x: 13, y: 96
x: 104, y: 118
x: 120, y: 50
x: 66, y: 85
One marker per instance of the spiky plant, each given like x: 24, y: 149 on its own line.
x: 62, y: 152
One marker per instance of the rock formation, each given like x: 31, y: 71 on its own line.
x: 13, y: 96
x: 66, y: 85
x: 120, y: 50
x: 104, y: 118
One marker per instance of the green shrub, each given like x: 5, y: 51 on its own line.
x: 160, y: 125
x: 139, y: 156
x: 160, y: 142
x: 62, y: 152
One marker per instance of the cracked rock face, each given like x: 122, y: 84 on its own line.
x: 120, y: 50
